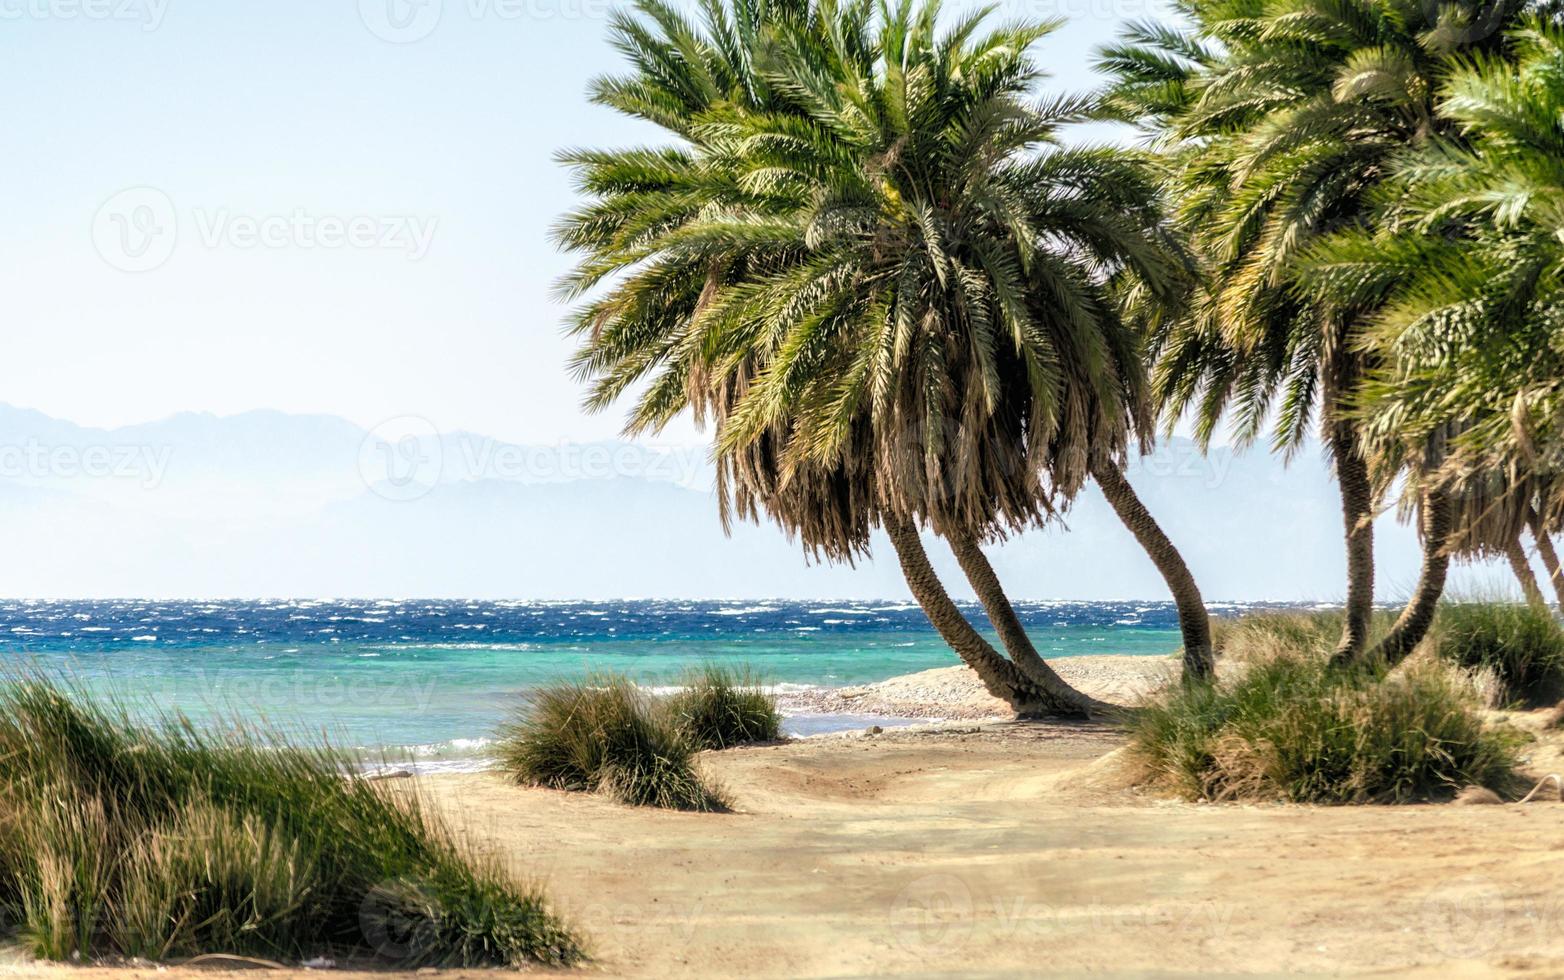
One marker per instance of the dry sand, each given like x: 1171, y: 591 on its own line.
x: 1017, y: 850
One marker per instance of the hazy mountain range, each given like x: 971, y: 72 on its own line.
x: 271, y: 504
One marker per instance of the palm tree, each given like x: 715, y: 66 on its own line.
x: 1515, y: 553
x: 1461, y: 274
x: 1480, y: 340
x: 853, y: 258
x: 646, y: 195
x: 898, y: 206
x: 1541, y: 534
x: 1194, y: 622
x: 1439, y: 524
x: 1490, y: 518
x: 1281, y: 120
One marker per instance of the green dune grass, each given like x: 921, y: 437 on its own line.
x: 119, y: 839
x: 719, y: 707
x: 1281, y: 724
x: 1521, y: 644
x: 605, y: 735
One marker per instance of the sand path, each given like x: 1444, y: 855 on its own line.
x: 1013, y: 851
x: 995, y: 854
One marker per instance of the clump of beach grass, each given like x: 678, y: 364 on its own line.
x: 605, y: 735
x: 1292, y: 728
x: 1264, y: 636
x: 125, y: 840
x: 718, y: 707
x: 1520, y: 644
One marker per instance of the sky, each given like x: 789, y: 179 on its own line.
x: 334, y: 206
x: 342, y: 208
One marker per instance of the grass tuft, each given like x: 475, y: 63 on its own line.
x: 1264, y: 636
x: 605, y: 735
x: 1292, y: 729
x: 1522, y: 645
x: 719, y: 708
x: 118, y: 839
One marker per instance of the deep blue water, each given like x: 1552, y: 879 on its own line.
x: 442, y: 674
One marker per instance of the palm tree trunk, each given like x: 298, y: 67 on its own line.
x: 1012, y: 634
x: 1193, y: 621
x: 1521, y: 565
x: 1550, y: 558
x: 1357, y: 511
x: 1413, y: 623
x: 1000, y: 677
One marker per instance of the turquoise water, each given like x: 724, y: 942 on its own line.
x: 435, y: 678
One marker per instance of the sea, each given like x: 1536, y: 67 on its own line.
x: 429, y: 681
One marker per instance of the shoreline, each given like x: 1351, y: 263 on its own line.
x: 956, y: 694
x: 919, y: 700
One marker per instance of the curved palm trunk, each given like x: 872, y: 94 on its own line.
x: 1550, y: 558
x: 1000, y: 677
x: 1521, y: 566
x: 1012, y: 634
x: 1193, y: 621
x: 1357, y: 511
x: 1413, y: 623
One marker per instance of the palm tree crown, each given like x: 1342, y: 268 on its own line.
x: 1466, y: 271
x: 885, y: 255
x: 1283, y: 121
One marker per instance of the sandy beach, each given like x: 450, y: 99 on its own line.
x: 1008, y: 849
x: 955, y: 693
